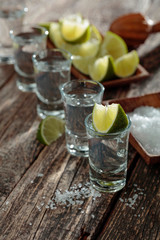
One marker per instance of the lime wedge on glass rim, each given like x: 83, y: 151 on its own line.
x: 102, y: 69
x: 126, y: 65
x: 50, y: 129
x: 109, y: 119
x: 113, y: 45
x: 75, y: 29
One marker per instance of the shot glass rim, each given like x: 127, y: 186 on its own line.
x: 36, y: 54
x: 81, y: 80
x: 16, y: 38
x: 23, y: 7
x: 100, y: 134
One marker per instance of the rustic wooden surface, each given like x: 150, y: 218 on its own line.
x: 30, y: 172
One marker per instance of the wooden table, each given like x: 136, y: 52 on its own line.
x: 30, y: 173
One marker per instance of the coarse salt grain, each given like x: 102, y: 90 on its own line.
x: 146, y: 128
x: 132, y: 201
x: 75, y: 196
x: 40, y: 175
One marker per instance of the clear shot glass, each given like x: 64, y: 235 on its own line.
x: 108, y: 155
x: 79, y: 97
x: 11, y: 15
x: 26, y: 41
x: 52, y: 68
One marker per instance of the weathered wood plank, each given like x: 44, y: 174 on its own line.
x: 18, y: 144
x: 54, y: 169
x: 5, y: 73
x: 137, y: 213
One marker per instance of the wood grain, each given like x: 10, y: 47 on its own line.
x: 137, y: 209
x: 30, y: 172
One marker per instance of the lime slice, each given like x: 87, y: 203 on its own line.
x: 50, y: 129
x: 75, y: 29
x: 109, y: 119
x: 102, y: 69
x: 82, y: 63
x: 55, y: 35
x: 113, y: 45
x: 87, y: 49
x: 126, y: 65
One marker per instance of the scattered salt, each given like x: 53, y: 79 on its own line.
x: 132, y: 201
x: 75, y: 196
x: 40, y: 175
x: 39, y: 208
x: 146, y: 128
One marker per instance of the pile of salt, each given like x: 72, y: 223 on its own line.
x: 146, y: 128
x: 75, y: 196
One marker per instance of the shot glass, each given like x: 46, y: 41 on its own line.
x: 52, y: 68
x: 79, y: 97
x: 26, y: 41
x: 108, y: 155
x: 11, y: 14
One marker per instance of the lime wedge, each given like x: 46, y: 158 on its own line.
x: 126, y: 65
x: 45, y: 25
x: 87, y: 49
x: 75, y: 29
x: 82, y: 63
x: 102, y: 69
x: 55, y: 35
x: 113, y: 45
x: 50, y: 129
x: 109, y: 119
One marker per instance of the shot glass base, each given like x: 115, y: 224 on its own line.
x: 42, y: 113
x: 110, y: 187
x: 6, y: 55
x: 78, y: 152
x: 26, y: 87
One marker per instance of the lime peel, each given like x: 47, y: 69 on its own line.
x: 113, y: 45
x: 109, y: 119
x: 126, y: 65
x: 50, y: 129
x: 102, y: 69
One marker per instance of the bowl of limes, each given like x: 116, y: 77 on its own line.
x: 105, y: 59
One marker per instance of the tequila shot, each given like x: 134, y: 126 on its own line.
x: 79, y: 97
x: 108, y: 154
x: 52, y: 68
x: 26, y: 42
x: 11, y: 15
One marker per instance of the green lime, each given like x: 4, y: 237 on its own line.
x: 75, y: 29
x: 102, y: 69
x: 45, y: 25
x: 109, y: 119
x: 86, y: 49
x: 82, y: 63
x: 113, y: 45
x: 50, y: 129
x: 126, y: 65
x: 55, y: 35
